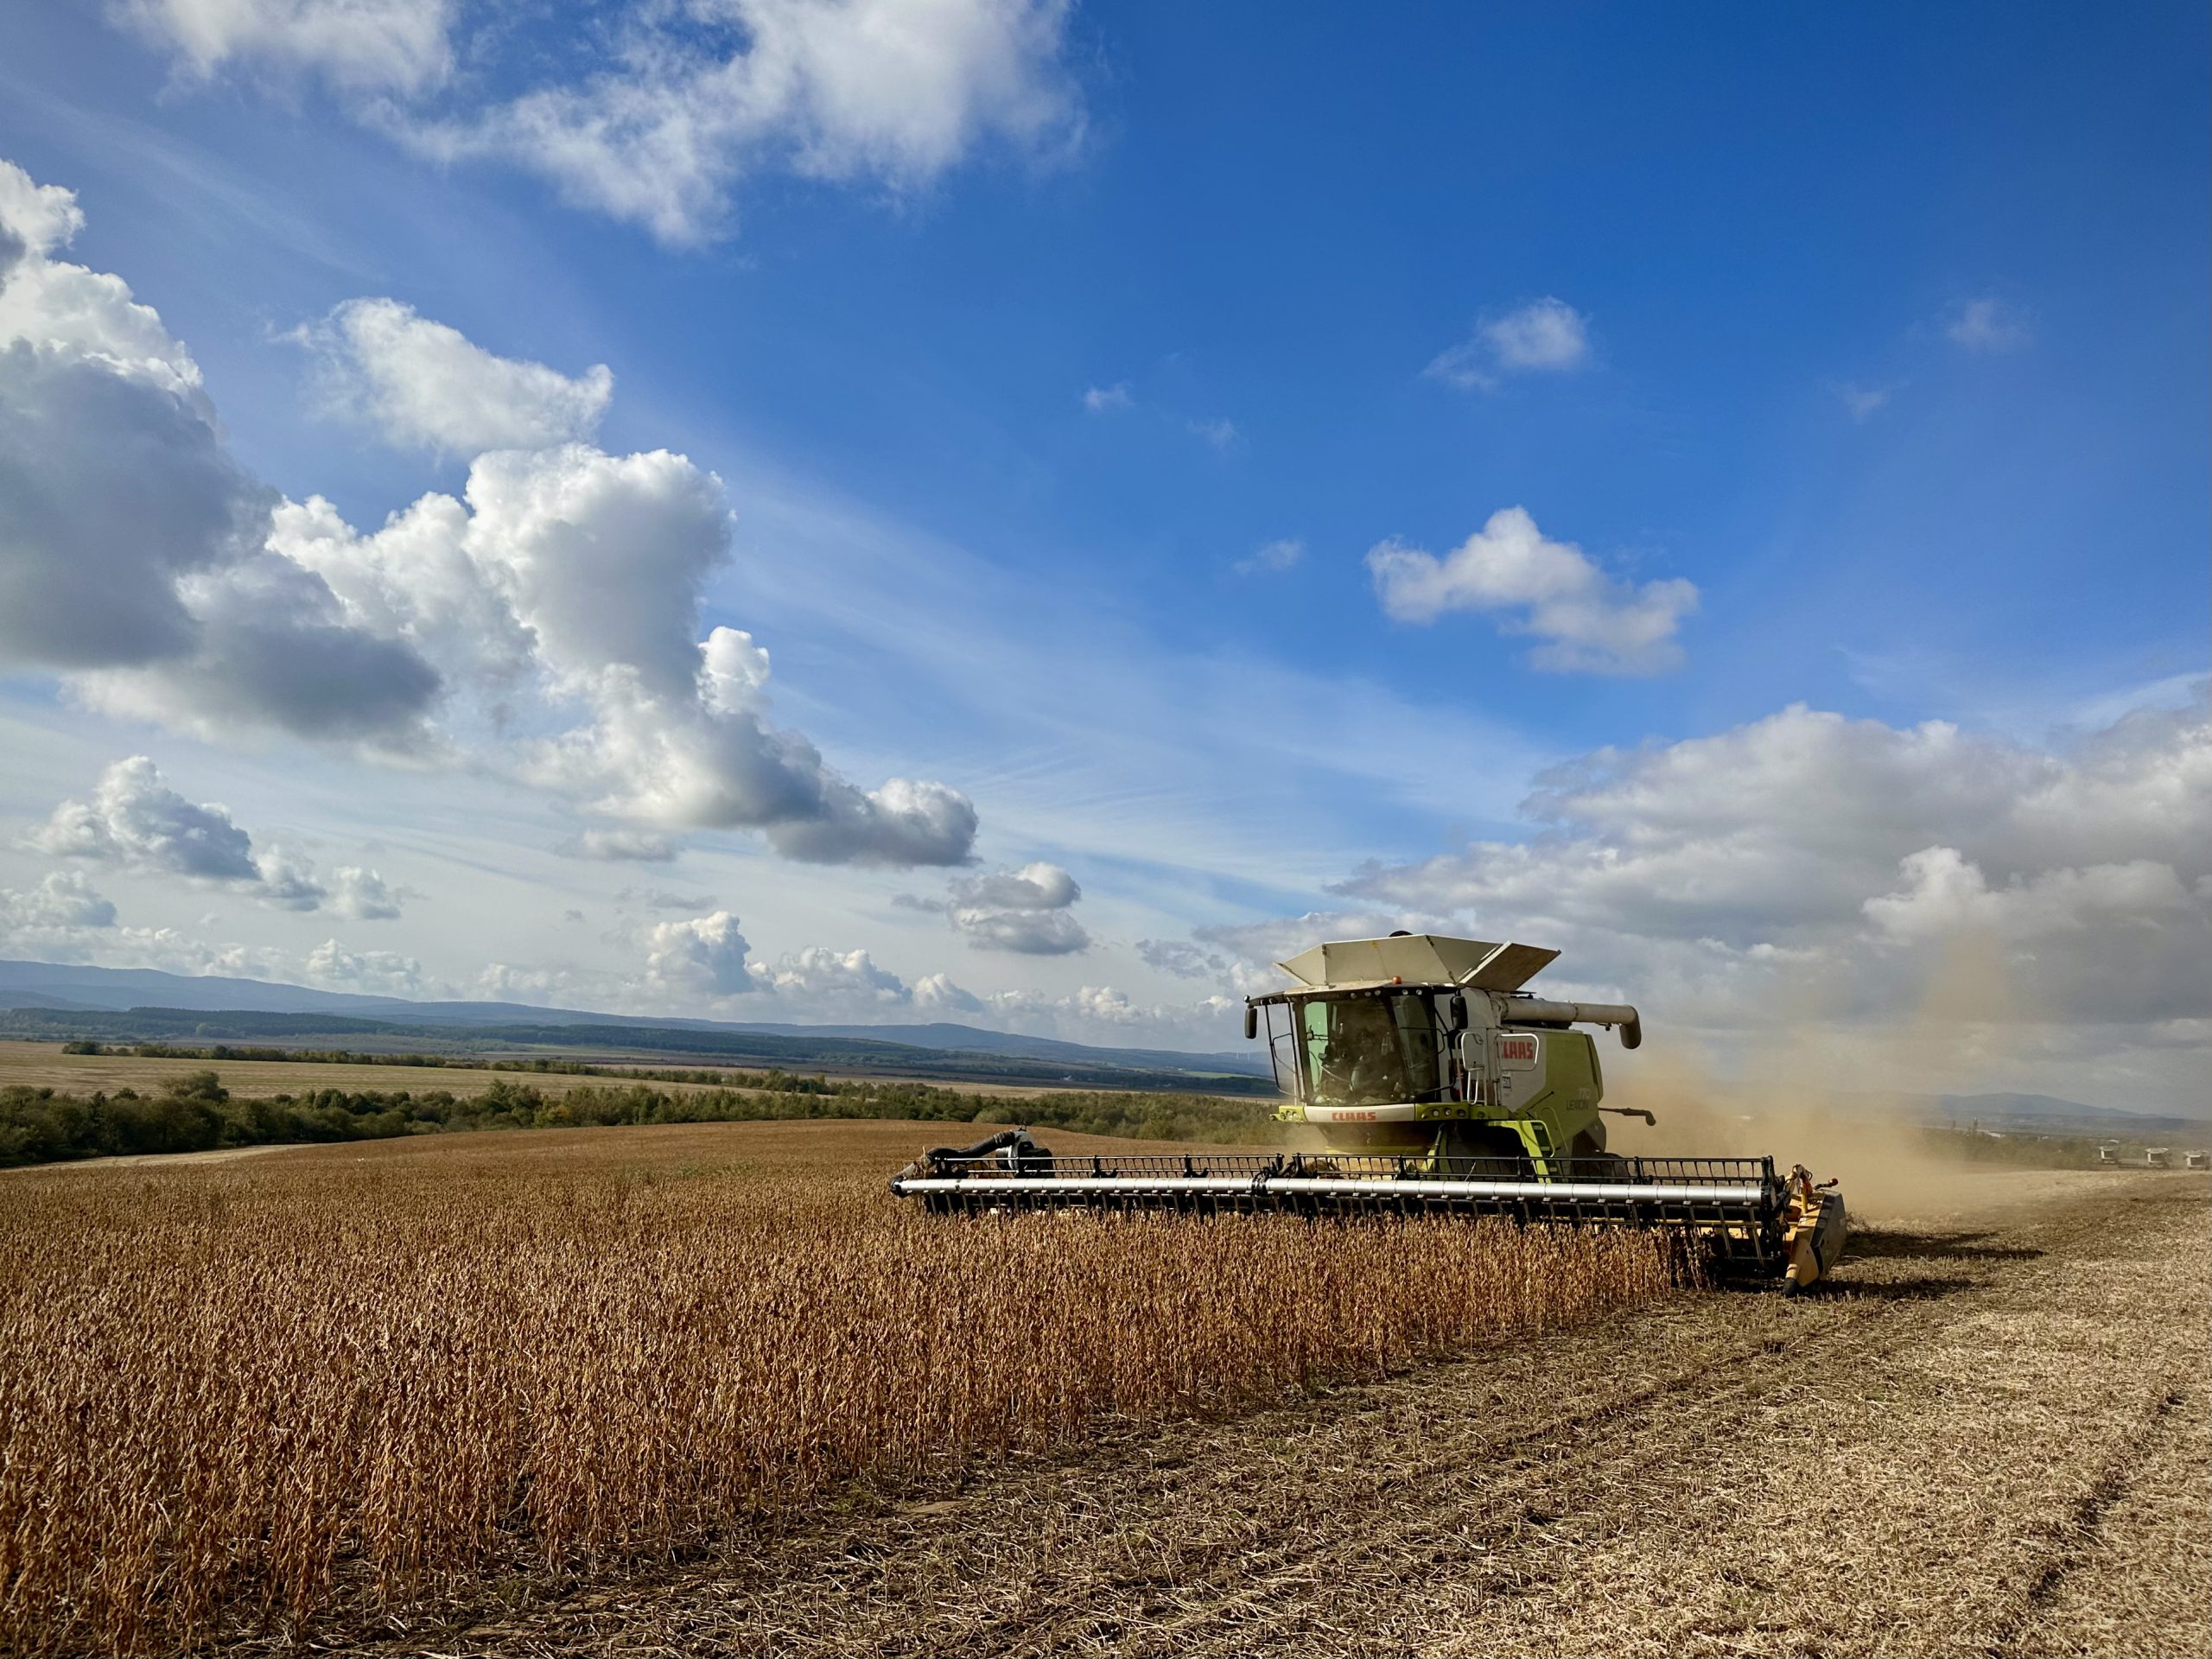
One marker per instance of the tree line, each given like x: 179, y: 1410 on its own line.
x: 195, y: 1113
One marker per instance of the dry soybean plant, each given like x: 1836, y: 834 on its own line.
x: 231, y: 1397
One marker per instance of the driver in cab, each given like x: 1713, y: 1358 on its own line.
x: 1360, y: 1064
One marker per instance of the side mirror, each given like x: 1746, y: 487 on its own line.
x: 1458, y: 1008
x: 1251, y: 1022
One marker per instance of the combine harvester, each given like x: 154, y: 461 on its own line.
x: 1437, y: 1086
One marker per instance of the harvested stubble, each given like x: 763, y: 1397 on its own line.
x: 229, y: 1398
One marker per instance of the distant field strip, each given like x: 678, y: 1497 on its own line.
x: 234, y: 1397
x: 248, y: 1068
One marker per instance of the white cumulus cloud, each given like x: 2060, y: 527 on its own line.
x: 131, y: 544
x: 704, y: 961
x: 589, y: 568
x: 1026, y: 911
x: 1849, y: 854
x: 288, y: 882
x: 846, y: 983
x: 1107, y: 1014
x: 694, y: 101
x: 363, y: 895
x: 704, y: 956
x: 1034, y: 886
x: 134, y: 819
x: 1587, y: 619
x: 937, y: 993
x: 374, y: 972
x: 398, y: 45
x: 422, y: 384
x: 547, y: 624
x: 1944, y: 893
x: 64, y: 900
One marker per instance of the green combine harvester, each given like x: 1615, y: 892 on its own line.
x: 1438, y: 1085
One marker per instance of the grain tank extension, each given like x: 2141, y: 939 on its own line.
x: 1436, y: 1085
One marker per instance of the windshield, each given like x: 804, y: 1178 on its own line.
x: 1368, y: 1051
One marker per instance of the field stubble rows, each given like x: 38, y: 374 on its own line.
x: 1991, y: 1439
x: 238, y: 1398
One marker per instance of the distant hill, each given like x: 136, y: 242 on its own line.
x: 39, y: 999
x: 2026, y: 1107
x: 53, y: 985
x: 48, y: 985
x: 57, y: 1002
x: 2050, y: 1113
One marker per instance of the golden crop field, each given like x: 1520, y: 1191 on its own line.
x: 238, y: 1399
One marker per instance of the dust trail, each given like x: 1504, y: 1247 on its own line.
x: 1843, y: 1096
x: 1821, y: 1083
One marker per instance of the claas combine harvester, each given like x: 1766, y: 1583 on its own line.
x: 1438, y: 1085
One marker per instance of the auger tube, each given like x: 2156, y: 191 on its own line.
x: 1536, y: 1012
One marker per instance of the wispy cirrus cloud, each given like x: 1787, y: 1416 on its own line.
x: 1217, y: 432
x: 1271, y: 558
x: 1861, y: 402
x: 1988, y: 327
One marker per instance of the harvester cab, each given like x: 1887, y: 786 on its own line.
x: 1423, y: 1046
x: 1436, y: 1085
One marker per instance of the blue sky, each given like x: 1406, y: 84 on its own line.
x: 1856, y: 357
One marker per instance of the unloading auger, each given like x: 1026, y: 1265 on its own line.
x: 1439, y: 1086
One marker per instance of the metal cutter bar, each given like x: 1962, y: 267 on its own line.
x: 1735, y: 1205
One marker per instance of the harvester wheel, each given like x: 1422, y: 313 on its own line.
x: 1464, y: 1141
x: 1592, y: 1162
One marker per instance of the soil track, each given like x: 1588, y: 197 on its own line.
x: 1992, y: 1440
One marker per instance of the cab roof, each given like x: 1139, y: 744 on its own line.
x: 1418, y: 959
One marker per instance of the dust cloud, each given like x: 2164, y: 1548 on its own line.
x: 1821, y: 1082
x: 1844, y: 1095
